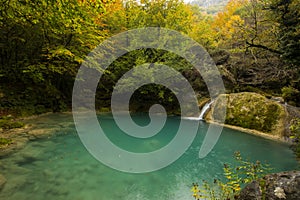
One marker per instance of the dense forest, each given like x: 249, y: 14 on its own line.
x: 255, y: 44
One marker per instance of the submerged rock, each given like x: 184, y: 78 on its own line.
x: 283, y: 185
x: 41, y: 133
x: 18, y: 142
x: 2, y: 181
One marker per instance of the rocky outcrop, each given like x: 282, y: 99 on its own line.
x: 252, y: 191
x: 278, y: 186
x: 251, y: 111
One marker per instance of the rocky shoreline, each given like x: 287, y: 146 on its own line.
x: 253, y: 132
x: 34, y: 129
x: 283, y: 185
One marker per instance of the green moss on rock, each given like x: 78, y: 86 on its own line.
x: 250, y: 110
x: 8, y: 123
x: 5, y: 142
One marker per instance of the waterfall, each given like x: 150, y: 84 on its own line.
x: 202, y: 113
x: 204, y: 110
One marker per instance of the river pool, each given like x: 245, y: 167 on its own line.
x: 59, y: 167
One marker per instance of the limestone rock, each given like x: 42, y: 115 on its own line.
x: 252, y: 111
x: 41, y: 133
x: 284, y: 185
x: 251, y: 192
x: 278, y: 186
x: 278, y: 99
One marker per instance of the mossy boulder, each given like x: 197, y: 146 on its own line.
x: 252, y: 111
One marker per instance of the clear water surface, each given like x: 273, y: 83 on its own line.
x: 60, y: 168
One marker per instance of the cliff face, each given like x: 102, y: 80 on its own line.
x: 251, y: 111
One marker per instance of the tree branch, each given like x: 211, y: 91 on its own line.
x: 263, y: 47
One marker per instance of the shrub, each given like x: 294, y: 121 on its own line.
x: 295, y: 135
x: 290, y: 95
x: 244, y: 172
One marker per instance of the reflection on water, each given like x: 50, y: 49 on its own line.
x: 60, y: 167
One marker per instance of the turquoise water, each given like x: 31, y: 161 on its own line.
x: 60, y: 168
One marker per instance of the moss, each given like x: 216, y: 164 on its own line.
x: 291, y: 95
x: 7, y: 123
x: 250, y: 110
x: 295, y: 135
x: 104, y: 109
x: 5, y: 142
x: 262, y: 184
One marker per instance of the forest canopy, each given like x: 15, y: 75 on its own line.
x: 255, y: 44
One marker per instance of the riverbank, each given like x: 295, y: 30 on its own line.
x: 36, y: 127
x: 253, y: 132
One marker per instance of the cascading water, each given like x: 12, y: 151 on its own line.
x: 205, y: 108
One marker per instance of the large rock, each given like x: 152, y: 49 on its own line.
x: 251, y: 192
x: 252, y: 111
x: 278, y: 186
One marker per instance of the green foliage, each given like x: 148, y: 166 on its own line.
x: 144, y: 97
x: 291, y: 95
x: 9, y: 123
x: 4, y: 142
x: 295, y: 134
x: 236, y: 176
x: 44, y: 43
x: 172, y: 14
x: 295, y: 126
x: 44, y: 51
x: 286, y: 14
x: 267, y: 29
